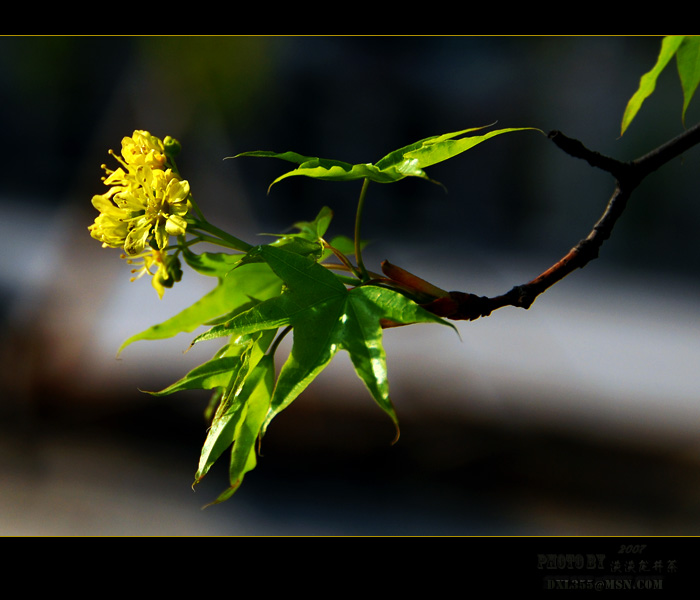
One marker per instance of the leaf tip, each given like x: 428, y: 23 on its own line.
x: 398, y: 433
x: 121, y: 349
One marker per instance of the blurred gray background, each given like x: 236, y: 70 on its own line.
x: 580, y: 416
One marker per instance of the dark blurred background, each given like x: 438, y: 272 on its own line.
x: 577, y: 417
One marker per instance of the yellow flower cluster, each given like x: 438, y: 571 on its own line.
x: 146, y: 203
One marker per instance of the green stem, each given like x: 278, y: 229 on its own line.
x: 342, y: 258
x: 203, y: 237
x: 358, y: 219
x: 196, y: 208
x: 230, y: 240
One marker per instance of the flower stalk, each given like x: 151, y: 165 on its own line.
x: 358, y: 240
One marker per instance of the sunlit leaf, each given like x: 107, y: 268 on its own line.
x: 688, y: 59
x: 236, y: 288
x: 409, y: 161
x: 412, y: 159
x: 213, y: 373
x: 326, y: 317
x: 238, y: 422
x: 647, y: 83
x: 212, y: 264
x: 313, y: 230
x: 325, y: 169
x: 307, y: 241
x: 218, y: 371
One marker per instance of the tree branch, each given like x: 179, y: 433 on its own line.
x: 628, y: 175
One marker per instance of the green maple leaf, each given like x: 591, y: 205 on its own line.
x: 409, y: 161
x: 325, y: 317
x: 236, y: 288
x: 238, y: 421
x: 243, y: 375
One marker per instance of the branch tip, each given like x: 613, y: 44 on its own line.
x: 628, y: 175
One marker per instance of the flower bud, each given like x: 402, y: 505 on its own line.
x: 172, y: 146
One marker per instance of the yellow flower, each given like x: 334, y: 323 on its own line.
x: 146, y: 201
x: 145, y: 204
x: 110, y: 226
x: 158, y: 207
x: 168, y: 269
x: 142, y: 148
